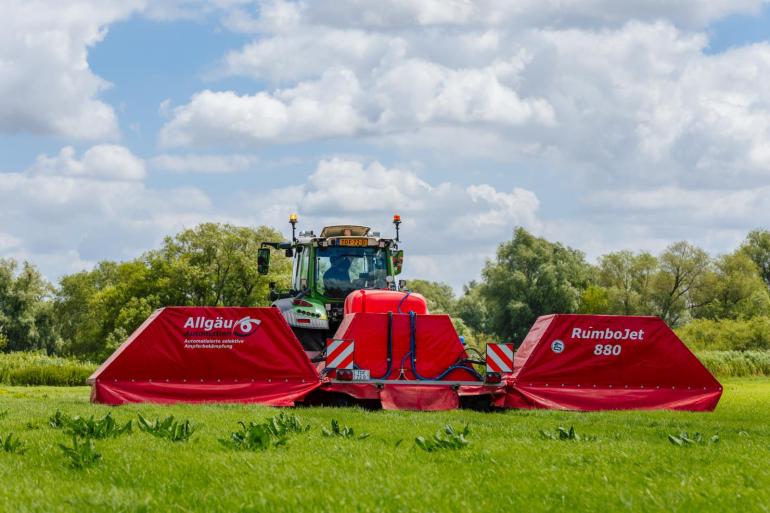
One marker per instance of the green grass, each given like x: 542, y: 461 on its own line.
x: 736, y: 363
x: 31, y: 368
x: 622, y: 461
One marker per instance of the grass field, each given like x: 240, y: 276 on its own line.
x: 509, y: 466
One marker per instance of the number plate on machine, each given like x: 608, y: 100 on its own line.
x: 360, y: 374
x: 354, y: 242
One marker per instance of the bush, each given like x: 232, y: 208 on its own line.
x: 25, y: 368
x: 736, y: 363
x: 727, y: 334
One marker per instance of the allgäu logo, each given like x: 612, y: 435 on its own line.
x: 245, y: 327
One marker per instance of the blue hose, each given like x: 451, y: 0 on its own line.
x: 402, y: 301
x: 413, y: 351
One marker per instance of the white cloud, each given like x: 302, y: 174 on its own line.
x: 197, y: 10
x: 64, y: 219
x: 8, y: 243
x: 65, y: 213
x: 407, y: 95
x: 104, y: 161
x: 308, y: 53
x: 398, y: 14
x: 443, y: 224
x: 323, y: 108
x: 696, y: 207
x: 207, y: 164
x: 613, y: 97
x: 46, y: 85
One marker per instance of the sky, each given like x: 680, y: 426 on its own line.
x: 605, y: 125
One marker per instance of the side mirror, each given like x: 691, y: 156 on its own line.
x: 398, y: 261
x: 401, y: 284
x: 289, y: 253
x: 263, y: 260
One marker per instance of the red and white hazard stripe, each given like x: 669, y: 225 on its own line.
x: 339, y: 354
x: 500, y: 358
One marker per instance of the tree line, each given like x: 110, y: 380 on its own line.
x: 684, y: 285
x: 89, y: 313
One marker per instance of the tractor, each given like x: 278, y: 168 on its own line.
x: 348, y: 333
x: 326, y: 269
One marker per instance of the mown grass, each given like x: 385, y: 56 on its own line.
x: 623, y: 461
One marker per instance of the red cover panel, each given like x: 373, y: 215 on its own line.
x: 199, y: 354
x: 602, y: 362
x: 384, y: 301
x: 438, y: 346
x: 419, y: 397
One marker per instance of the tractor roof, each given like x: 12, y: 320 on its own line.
x: 345, y: 230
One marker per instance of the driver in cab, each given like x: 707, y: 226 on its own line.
x: 338, y: 275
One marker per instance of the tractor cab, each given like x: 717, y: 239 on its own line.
x: 326, y: 269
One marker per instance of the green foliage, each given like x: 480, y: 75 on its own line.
x: 254, y: 437
x: 274, y: 432
x: 167, y: 428
x: 472, y: 310
x: 684, y: 439
x: 757, y: 248
x: 212, y: 264
x: 106, y: 427
x: 736, y: 290
x: 736, y: 363
x: 624, y: 285
x: 82, y: 454
x: 26, y: 315
x: 595, y: 300
x: 34, y: 368
x: 12, y: 445
x: 531, y: 277
x: 682, y: 282
x: 727, y: 334
x: 343, y: 432
x: 564, y: 434
x: 447, y: 438
x: 440, y: 296
x: 284, y: 424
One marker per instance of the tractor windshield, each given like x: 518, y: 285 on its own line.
x: 341, y: 269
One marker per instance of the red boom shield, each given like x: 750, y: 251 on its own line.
x: 597, y: 362
x: 208, y: 354
x: 233, y: 354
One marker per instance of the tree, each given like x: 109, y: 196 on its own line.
x: 472, y: 310
x: 216, y: 264
x: 531, y: 277
x: 26, y: 318
x: 595, y: 300
x: 737, y: 290
x: 757, y: 247
x: 212, y: 264
x: 627, y: 279
x: 440, y: 296
x: 681, y: 282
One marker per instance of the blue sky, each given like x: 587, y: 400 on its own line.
x: 604, y: 125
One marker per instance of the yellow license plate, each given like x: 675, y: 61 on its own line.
x: 354, y: 242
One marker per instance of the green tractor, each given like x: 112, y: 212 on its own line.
x: 326, y: 268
